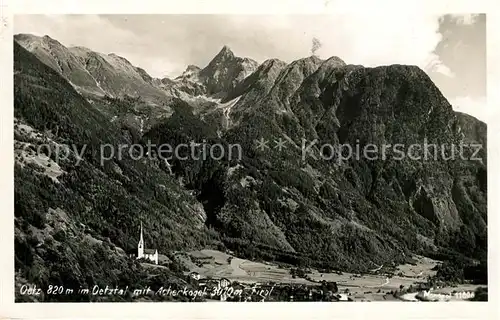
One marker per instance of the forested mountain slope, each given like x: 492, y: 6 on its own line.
x: 77, y: 218
x: 293, y: 200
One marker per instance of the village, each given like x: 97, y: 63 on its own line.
x: 220, y: 276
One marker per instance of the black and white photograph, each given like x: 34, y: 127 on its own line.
x: 250, y: 158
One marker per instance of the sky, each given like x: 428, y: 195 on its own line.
x: 450, y: 48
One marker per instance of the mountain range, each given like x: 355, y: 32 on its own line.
x: 75, y: 223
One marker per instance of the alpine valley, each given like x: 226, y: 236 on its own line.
x: 77, y: 220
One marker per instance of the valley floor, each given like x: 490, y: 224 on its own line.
x: 367, y: 287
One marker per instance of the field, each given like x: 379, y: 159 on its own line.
x: 366, y: 287
x: 216, y: 265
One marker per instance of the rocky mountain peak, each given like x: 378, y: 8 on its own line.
x: 46, y: 40
x: 190, y: 73
x: 334, y: 61
x: 311, y: 61
x: 81, y: 49
x: 192, y: 67
x: 120, y: 58
x: 22, y: 36
x: 33, y: 42
x: 224, y: 56
x: 225, y: 52
x: 225, y: 71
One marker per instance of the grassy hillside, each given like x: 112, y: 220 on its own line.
x: 99, y: 206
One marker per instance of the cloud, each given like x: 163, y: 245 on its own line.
x: 463, y: 50
x: 476, y: 107
x: 466, y: 19
x: 316, y: 45
x: 435, y: 65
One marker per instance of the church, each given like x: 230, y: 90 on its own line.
x: 148, y: 254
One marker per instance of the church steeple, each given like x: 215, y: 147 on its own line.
x: 140, y: 245
x: 148, y: 254
x: 141, y: 240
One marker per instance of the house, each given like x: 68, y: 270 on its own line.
x: 148, y: 254
x: 342, y: 297
x: 195, y: 275
x: 224, y: 283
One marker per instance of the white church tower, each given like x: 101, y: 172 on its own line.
x: 140, y: 246
x: 148, y: 254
